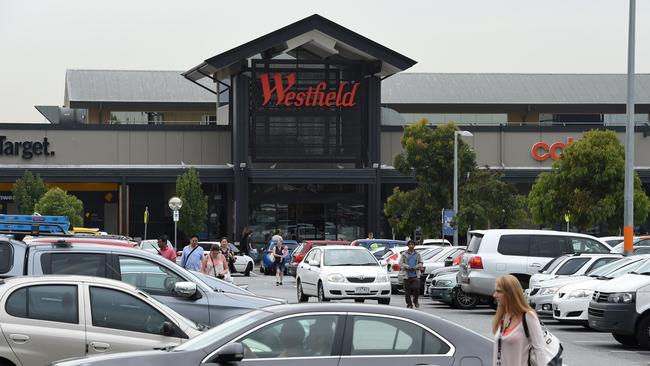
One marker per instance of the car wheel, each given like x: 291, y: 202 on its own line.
x: 359, y: 300
x: 384, y: 301
x: 464, y: 300
x: 626, y: 340
x: 321, y: 293
x: 262, y: 269
x: 248, y: 270
x: 5, y: 363
x: 301, y: 295
x: 643, y: 332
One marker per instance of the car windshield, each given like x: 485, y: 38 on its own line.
x: 550, y: 266
x: 348, y: 257
x: 632, y: 267
x: 430, y: 254
x: 207, y: 338
x: 644, y: 268
x: 609, y: 267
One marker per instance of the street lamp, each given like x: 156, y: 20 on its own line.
x: 175, y: 204
x: 466, y: 134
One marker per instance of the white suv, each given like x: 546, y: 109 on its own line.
x: 493, y: 253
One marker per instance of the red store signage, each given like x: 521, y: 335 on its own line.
x: 316, y: 96
x: 541, y: 151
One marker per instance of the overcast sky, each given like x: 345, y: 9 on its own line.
x: 39, y: 40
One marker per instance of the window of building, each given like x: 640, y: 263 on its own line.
x: 57, y: 303
x: 136, y: 118
x: 458, y: 118
x: 621, y: 119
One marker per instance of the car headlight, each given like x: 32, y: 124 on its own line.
x: 335, y: 277
x: 381, y: 278
x: 578, y: 294
x: 621, y: 297
x: 548, y: 290
x: 442, y: 283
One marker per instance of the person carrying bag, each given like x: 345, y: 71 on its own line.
x: 519, y: 337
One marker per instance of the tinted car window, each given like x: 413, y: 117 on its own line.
x: 513, y: 245
x: 86, y: 264
x: 474, y: 244
x: 117, y: 310
x: 585, y: 245
x: 149, y: 276
x: 601, y: 262
x: 6, y: 257
x: 548, y: 246
x: 571, y: 266
x: 45, y: 302
x: 642, y: 250
x: 306, y: 336
x: 386, y: 336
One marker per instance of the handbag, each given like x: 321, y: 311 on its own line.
x: 551, y: 352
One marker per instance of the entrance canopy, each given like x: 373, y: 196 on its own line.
x: 314, y: 38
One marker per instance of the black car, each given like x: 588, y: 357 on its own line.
x: 320, y: 334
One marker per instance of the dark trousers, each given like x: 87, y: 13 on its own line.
x: 412, y: 288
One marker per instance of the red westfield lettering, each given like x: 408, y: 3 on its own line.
x: 312, y: 97
x: 549, y: 151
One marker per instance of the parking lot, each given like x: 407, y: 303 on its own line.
x: 581, y: 346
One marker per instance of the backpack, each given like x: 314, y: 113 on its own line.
x: 552, y: 350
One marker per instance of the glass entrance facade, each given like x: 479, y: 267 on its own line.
x: 308, y: 211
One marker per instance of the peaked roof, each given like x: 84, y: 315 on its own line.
x: 337, y: 39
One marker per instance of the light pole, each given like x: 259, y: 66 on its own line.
x: 628, y: 229
x: 466, y: 134
x: 175, y: 204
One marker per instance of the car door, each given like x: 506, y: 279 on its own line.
x: 44, y: 323
x: 120, y: 322
x: 380, y: 340
x: 313, y: 339
x: 309, y: 274
x: 158, y: 280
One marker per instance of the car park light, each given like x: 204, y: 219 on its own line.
x: 577, y: 294
x: 335, y: 277
x: 476, y: 262
x: 621, y: 297
x: 381, y: 278
x: 548, y: 290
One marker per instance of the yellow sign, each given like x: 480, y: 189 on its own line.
x: 567, y: 217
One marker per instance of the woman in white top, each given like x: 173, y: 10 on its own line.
x: 215, y: 264
x: 511, y: 346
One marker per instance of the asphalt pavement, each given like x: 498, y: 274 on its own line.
x: 582, y: 346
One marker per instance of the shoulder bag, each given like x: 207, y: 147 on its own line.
x: 551, y: 350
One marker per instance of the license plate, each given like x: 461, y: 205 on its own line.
x: 362, y: 290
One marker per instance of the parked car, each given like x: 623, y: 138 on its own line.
x: 378, y: 247
x: 266, y: 264
x: 302, y: 249
x: 540, y: 297
x: 611, y: 240
x: 48, y: 318
x: 441, y: 288
x: 320, y: 335
x: 170, y: 284
x: 433, y: 257
x: 571, y: 302
x: 342, y: 272
x: 243, y: 263
x: 622, y: 307
x: 436, y: 242
x: 640, y: 242
x: 521, y: 253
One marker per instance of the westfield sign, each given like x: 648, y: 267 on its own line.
x: 314, y: 96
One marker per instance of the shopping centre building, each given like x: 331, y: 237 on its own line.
x: 295, y: 130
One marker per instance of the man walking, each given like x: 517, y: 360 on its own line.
x: 410, y: 267
x: 165, y: 250
x: 192, y: 255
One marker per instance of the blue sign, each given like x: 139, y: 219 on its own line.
x: 447, y: 218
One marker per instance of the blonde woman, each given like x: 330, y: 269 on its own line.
x: 215, y: 264
x: 511, y: 345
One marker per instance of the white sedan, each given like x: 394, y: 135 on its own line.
x: 342, y: 272
x: 44, y: 319
x: 243, y: 263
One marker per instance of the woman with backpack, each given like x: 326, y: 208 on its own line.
x: 517, y: 330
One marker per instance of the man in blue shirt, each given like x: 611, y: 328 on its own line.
x: 192, y: 255
x: 410, y: 266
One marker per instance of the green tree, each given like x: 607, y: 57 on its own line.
x: 588, y: 183
x: 486, y: 201
x: 428, y: 157
x: 194, y: 213
x: 27, y: 191
x: 58, y: 202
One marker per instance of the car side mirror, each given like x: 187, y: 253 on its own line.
x: 313, y: 263
x: 167, y: 329
x: 185, y: 289
x: 233, y: 352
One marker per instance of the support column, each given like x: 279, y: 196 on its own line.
x: 240, y: 138
x: 123, y: 203
x: 374, y: 155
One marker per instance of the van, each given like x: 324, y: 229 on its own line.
x: 521, y: 253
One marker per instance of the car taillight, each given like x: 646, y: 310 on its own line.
x: 456, y: 260
x: 476, y: 262
x: 396, y: 267
x: 392, y: 258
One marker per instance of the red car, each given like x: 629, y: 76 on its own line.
x: 304, y: 248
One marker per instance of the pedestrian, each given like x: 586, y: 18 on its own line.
x: 410, y: 270
x: 215, y: 264
x: 511, y: 346
x: 228, y: 254
x: 166, y: 250
x: 278, y: 261
x: 192, y: 255
x: 370, y: 235
x: 246, y: 238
